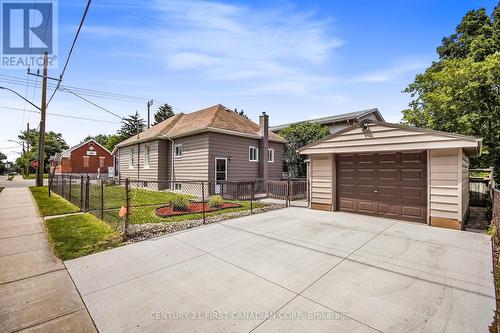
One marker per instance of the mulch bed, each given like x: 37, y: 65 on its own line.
x: 193, y: 208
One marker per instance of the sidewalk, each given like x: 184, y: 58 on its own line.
x: 36, y: 292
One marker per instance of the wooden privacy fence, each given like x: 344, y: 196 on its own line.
x: 481, y: 185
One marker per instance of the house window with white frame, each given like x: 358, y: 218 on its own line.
x: 270, y: 155
x: 146, y: 157
x: 178, y: 187
x: 253, y: 154
x: 131, y: 158
x: 178, y: 150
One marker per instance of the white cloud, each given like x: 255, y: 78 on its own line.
x: 275, y: 51
x: 390, y: 74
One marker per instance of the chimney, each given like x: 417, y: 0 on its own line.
x: 264, y: 145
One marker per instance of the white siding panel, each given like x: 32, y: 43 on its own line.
x: 321, y: 179
x: 444, y: 183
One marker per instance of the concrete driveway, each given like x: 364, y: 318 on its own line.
x: 294, y: 270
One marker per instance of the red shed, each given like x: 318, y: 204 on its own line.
x: 85, y: 158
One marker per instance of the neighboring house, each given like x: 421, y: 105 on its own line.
x: 393, y: 171
x: 340, y: 121
x: 87, y: 158
x: 214, y: 144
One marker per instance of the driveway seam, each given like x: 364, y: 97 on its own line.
x: 48, y: 320
x: 322, y: 275
x: 32, y: 276
x: 277, y: 284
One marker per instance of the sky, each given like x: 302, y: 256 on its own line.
x: 294, y: 60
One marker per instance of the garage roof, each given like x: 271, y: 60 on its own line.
x: 369, y: 136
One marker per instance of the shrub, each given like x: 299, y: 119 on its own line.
x: 215, y: 201
x: 179, y: 203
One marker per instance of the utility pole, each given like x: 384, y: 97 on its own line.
x: 41, y: 135
x: 149, y: 114
x: 27, y: 147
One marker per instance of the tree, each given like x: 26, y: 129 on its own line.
x: 113, y: 140
x: 54, y: 143
x: 3, y: 157
x: 101, y: 139
x: 299, y: 135
x: 164, y: 112
x: 460, y: 93
x: 240, y: 112
x: 131, y: 125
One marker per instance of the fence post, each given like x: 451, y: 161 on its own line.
x: 102, y: 198
x: 203, y: 199
x: 127, y: 211
x: 70, y: 182
x: 251, y: 197
x: 87, y: 193
x: 81, y: 193
x: 62, y: 186
x: 288, y: 192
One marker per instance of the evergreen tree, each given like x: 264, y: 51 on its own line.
x: 164, y: 112
x: 132, y: 125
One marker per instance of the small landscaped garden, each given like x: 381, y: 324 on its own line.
x: 53, y: 205
x: 33, y: 176
x: 74, y: 236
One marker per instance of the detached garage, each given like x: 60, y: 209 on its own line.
x: 393, y: 171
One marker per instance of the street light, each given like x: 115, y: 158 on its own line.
x: 19, y: 95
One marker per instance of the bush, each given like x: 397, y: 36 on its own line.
x: 179, y: 203
x: 215, y: 201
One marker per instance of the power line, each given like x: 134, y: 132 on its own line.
x: 92, y: 103
x: 61, y: 115
x: 71, y: 50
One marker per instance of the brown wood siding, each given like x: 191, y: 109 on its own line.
x: 225, y: 146
x: 193, y: 165
x: 239, y: 167
x: 391, y: 184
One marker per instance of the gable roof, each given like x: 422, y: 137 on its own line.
x: 67, y: 152
x: 382, y: 136
x: 336, y: 118
x: 216, y: 118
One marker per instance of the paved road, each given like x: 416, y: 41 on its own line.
x: 36, y: 291
x: 314, y: 271
x: 17, y: 182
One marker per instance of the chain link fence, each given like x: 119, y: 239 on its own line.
x: 143, y: 201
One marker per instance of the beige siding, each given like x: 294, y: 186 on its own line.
x: 445, y: 176
x: 193, y: 165
x: 139, y: 170
x: 384, y: 138
x: 464, y: 162
x: 321, y: 179
x: 164, y: 160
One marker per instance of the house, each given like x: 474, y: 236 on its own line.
x: 394, y: 171
x: 337, y: 122
x: 214, y: 144
x: 87, y: 158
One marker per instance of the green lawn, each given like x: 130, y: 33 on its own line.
x: 114, y: 196
x: 54, y: 205
x: 79, y: 235
x: 32, y: 176
x: 141, y: 215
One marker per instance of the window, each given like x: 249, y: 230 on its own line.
x: 270, y: 155
x: 253, y: 154
x: 178, y: 186
x: 86, y: 161
x: 146, y: 156
x: 101, y: 161
x: 131, y: 158
x: 178, y: 150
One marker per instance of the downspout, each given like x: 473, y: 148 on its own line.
x: 172, y: 173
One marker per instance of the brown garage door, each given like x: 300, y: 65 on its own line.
x: 391, y: 184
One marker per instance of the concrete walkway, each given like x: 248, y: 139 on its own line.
x: 36, y: 292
